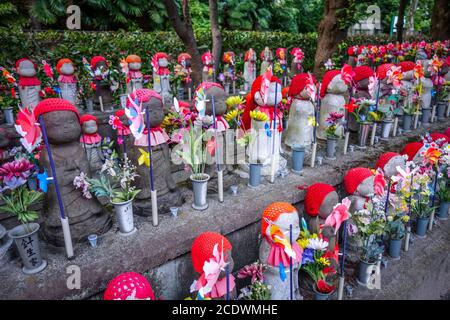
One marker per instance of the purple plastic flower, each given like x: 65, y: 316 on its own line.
x: 15, y: 173
x: 308, y: 256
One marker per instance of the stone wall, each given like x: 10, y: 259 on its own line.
x: 163, y: 252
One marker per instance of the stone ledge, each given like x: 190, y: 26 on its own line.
x: 152, y: 247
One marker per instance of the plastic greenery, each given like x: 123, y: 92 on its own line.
x: 444, y: 191
x: 395, y: 226
x: 256, y: 291
x: 19, y: 201
x: 192, y: 152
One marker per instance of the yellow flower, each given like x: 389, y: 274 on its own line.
x: 232, y: 115
x: 144, y: 158
x: 325, y: 262
x: 405, y: 218
x: 312, y: 121
x: 234, y: 101
x: 303, y: 243
x: 314, y: 236
x: 258, y: 116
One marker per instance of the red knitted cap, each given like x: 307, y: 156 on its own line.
x: 160, y: 55
x: 362, y: 72
x: 383, y: 69
x: 384, y: 159
x: 411, y: 149
x: 120, y: 113
x: 298, y: 83
x: 143, y: 95
x: 122, y: 287
x: 54, y: 104
x: 437, y: 135
x: 88, y: 117
x: 315, y: 194
x: 407, y: 66
x: 250, y: 104
x: 447, y: 132
x: 25, y: 59
x: 61, y: 62
x: 354, y: 177
x: 202, y: 248
x: 207, y: 55
x: 133, y: 58
x: 96, y: 60
x: 274, y: 211
x: 327, y: 77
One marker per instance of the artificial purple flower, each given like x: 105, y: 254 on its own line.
x: 15, y: 173
x: 308, y: 256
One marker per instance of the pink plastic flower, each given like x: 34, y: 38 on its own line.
x: 379, y: 183
x: 339, y: 214
x: 15, y: 173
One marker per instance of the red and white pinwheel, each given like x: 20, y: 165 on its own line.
x: 28, y: 128
x: 339, y: 214
x: 347, y: 74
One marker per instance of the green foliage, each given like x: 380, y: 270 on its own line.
x: 19, y: 201
x: 444, y: 191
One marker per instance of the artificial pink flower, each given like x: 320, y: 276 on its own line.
x: 379, y: 182
x: 339, y: 214
x: 47, y: 69
x: 324, y: 287
x: 347, y: 74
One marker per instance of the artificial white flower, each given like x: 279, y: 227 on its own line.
x: 317, y: 244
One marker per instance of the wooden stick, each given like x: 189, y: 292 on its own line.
x: 347, y: 136
x: 341, y: 288
x: 154, y: 207
x: 448, y: 109
x: 220, y: 184
x: 433, y: 113
x: 101, y: 103
x: 430, y: 224
x: 416, y: 120
x: 408, y: 235
x: 313, y: 155
x: 372, y: 137
x: 189, y: 94
x: 394, y: 131
x: 234, y: 87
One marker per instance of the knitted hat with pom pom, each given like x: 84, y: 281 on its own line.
x: 273, y: 212
x: 354, y: 177
x: 315, y: 194
x: 202, y: 248
x: 96, y: 60
x: 439, y: 136
x: 299, y: 83
x: 126, y: 284
x: 143, y: 95
x: 62, y: 62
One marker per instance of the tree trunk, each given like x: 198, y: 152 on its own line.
x: 440, y: 20
x: 183, y: 28
x: 216, y: 35
x: 410, y: 19
x: 401, y: 17
x: 329, y: 33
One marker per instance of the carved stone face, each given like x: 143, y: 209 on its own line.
x: 26, y: 69
x: 304, y: 94
x: 90, y: 127
x: 253, y: 57
x: 271, y: 93
x: 366, y: 189
x: 219, y: 101
x: 135, y: 65
x: 328, y: 203
x: 101, y: 64
x: 363, y: 84
x: 156, y: 111
x: 186, y: 63
x: 62, y: 127
x: 268, y: 55
x: 67, y: 69
x: 162, y: 62
x: 408, y: 75
x: 285, y: 220
x: 390, y: 169
x: 426, y: 68
x: 337, y: 85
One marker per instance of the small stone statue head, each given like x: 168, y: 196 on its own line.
x: 274, y: 92
x: 359, y: 181
x: 427, y: 69
x: 61, y: 119
x: 185, y: 60
x: 216, y: 90
x: 26, y: 67
x: 298, y: 87
x: 207, y: 59
x: 203, y: 247
x: 412, y: 150
x: 362, y: 76
x: 407, y: 70
x: 267, y: 54
x: 250, y: 55
x: 89, y: 124
x: 320, y: 199
x: 389, y: 162
x: 279, y: 217
x: 134, y: 62
x: 152, y: 100
x: 65, y: 67
x: 332, y: 82
x: 99, y: 62
x: 281, y: 54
